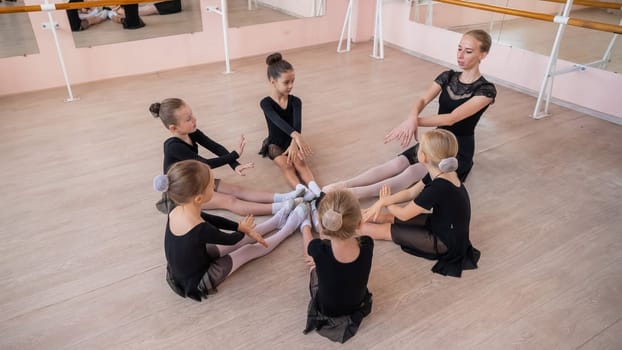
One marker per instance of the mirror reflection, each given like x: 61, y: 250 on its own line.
x: 16, y: 35
x: 250, y: 12
x: 578, y: 45
x: 101, y: 26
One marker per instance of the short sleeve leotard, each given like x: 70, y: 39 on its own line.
x: 341, y: 286
x: 453, y: 94
x: 449, y: 223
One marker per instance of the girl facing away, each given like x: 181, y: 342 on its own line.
x: 463, y: 97
x: 441, y: 235
x: 341, y: 263
x: 285, y: 144
x: 199, y: 254
x: 178, y: 119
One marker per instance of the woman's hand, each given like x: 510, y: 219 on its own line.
x: 404, y: 132
x: 241, y: 145
x: 241, y: 169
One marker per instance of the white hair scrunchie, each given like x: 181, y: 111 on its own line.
x: 448, y: 164
x: 332, y: 220
x: 160, y: 183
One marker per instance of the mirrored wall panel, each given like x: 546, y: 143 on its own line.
x: 101, y: 26
x: 250, y: 12
x: 579, y: 45
x: 16, y: 35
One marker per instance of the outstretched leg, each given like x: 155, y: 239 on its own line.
x: 288, y: 170
x: 399, y: 182
x: 245, y: 193
x: 237, y: 206
x: 373, y: 175
x: 252, y: 251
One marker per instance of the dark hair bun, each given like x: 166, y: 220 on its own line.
x: 274, y: 58
x: 155, y: 109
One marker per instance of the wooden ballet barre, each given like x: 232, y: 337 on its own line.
x: 605, y: 27
x: 68, y: 5
x: 598, y: 4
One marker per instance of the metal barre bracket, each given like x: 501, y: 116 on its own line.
x: 48, y: 25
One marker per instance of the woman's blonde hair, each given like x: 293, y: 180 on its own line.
x: 439, y: 145
x: 340, y: 214
x: 187, y: 179
x: 485, y: 41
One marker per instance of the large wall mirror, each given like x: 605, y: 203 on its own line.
x: 16, y: 35
x: 109, y: 31
x: 579, y: 45
x: 250, y: 12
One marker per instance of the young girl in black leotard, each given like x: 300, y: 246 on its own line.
x: 184, y: 143
x: 463, y: 98
x: 199, y: 255
x: 283, y: 112
x: 442, y: 235
x: 341, y: 264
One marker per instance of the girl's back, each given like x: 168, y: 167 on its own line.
x: 342, y: 286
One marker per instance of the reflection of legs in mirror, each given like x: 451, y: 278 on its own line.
x: 159, y: 8
x: 128, y: 16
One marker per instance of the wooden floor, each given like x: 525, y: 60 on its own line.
x: 82, y: 263
x: 240, y: 16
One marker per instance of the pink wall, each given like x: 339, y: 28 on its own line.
x: 593, y: 89
x: 40, y: 71
x: 599, y: 89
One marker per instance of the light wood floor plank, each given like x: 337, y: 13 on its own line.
x: 82, y: 262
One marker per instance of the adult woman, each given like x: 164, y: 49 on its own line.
x: 464, y: 97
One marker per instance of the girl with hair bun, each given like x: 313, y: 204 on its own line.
x: 178, y: 118
x: 199, y: 254
x: 441, y: 235
x: 283, y: 113
x: 341, y: 264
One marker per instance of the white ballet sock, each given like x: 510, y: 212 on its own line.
x: 289, y: 203
x: 314, y: 188
x: 299, y: 191
x: 315, y: 217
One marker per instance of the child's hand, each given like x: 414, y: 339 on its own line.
x: 247, y: 224
x: 305, y: 149
x: 385, y: 192
x: 292, y: 153
x: 371, y: 213
x: 241, y: 146
x: 240, y: 169
x: 256, y: 236
x: 309, y: 261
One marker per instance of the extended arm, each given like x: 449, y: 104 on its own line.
x: 464, y: 111
x: 224, y: 156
